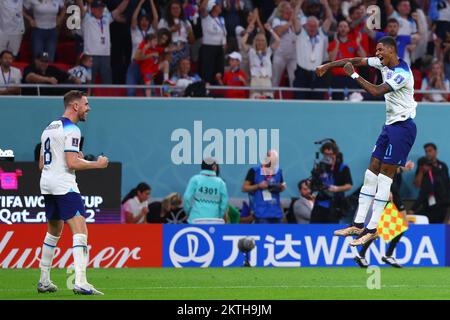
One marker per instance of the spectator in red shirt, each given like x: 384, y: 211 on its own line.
x: 234, y: 77
x: 153, y: 55
x: 148, y: 57
x: 357, y: 17
x: 340, y: 48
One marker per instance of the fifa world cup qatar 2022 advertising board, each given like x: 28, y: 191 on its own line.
x: 156, y: 245
x: 21, y: 200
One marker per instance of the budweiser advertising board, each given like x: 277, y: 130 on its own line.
x: 111, y: 246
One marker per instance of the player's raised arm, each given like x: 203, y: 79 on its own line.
x: 373, y: 89
x: 357, y: 62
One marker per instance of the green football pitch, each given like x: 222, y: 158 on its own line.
x: 236, y: 283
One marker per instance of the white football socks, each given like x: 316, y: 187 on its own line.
x: 48, y: 251
x: 80, y: 257
x: 380, y: 201
x: 366, y: 196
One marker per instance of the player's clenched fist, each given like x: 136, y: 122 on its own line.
x: 320, y: 70
x: 348, y: 68
x: 102, y: 162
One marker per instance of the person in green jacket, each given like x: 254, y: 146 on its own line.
x: 206, y: 195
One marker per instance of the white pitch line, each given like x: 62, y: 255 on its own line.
x: 248, y: 287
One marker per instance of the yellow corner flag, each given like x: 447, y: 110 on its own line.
x: 391, y: 223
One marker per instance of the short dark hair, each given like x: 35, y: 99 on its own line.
x: 430, y: 144
x: 150, y: 36
x: 329, y: 146
x: 164, y: 32
x: 208, y: 164
x: 5, y: 52
x: 400, y: 1
x: 389, y: 41
x: 343, y: 20
x: 352, y: 9
x: 392, y: 20
x: 73, y: 95
x: 299, y: 185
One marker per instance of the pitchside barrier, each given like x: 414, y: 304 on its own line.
x: 118, y: 246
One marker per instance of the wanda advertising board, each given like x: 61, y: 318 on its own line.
x: 21, y: 200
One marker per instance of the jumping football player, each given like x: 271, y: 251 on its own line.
x: 395, y: 197
x: 397, y: 136
x: 60, y: 158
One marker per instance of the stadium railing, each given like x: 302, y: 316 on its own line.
x: 284, y: 93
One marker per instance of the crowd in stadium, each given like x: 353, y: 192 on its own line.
x: 186, y: 44
x: 320, y: 199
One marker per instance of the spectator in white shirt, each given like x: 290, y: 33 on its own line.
x: 286, y: 25
x: 10, y: 75
x: 312, y: 45
x: 135, y: 204
x: 44, y: 16
x: 402, y: 13
x: 254, y: 26
x: 83, y: 70
x: 214, y: 40
x: 97, y: 41
x: 141, y: 25
x: 12, y: 27
x: 260, y: 55
x: 302, y: 207
x: 436, y: 81
x: 182, y: 34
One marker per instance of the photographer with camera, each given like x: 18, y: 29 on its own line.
x: 433, y: 180
x: 264, y: 184
x: 330, y: 179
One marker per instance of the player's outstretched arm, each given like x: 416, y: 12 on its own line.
x: 357, y: 62
x: 75, y: 162
x: 373, y: 89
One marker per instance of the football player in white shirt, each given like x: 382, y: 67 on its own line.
x: 396, y: 139
x: 60, y: 158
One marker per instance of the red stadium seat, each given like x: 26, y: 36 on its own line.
x: 109, y: 92
x: 62, y: 66
x: 20, y: 65
x: 25, y: 54
x: 417, y: 83
x: 284, y: 83
x: 66, y: 53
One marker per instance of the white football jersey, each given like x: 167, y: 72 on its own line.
x: 400, y: 103
x: 59, y: 137
x: 81, y: 72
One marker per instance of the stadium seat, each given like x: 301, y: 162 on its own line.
x: 21, y: 65
x: 25, y: 54
x: 284, y: 83
x: 417, y: 83
x: 66, y: 53
x: 62, y: 66
x: 109, y: 92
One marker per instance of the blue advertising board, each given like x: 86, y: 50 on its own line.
x: 291, y: 245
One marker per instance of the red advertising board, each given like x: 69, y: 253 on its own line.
x: 110, y: 246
